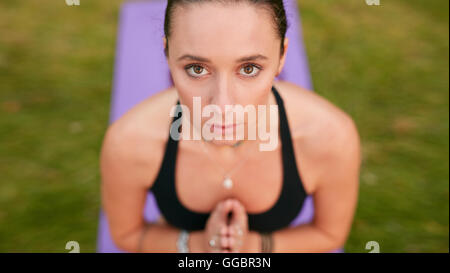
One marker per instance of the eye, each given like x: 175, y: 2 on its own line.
x: 250, y: 70
x: 195, y: 70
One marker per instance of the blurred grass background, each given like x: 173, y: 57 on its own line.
x: 386, y: 66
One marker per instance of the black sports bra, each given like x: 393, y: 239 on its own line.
x: 288, y: 205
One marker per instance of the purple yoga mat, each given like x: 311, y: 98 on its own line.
x: 141, y: 71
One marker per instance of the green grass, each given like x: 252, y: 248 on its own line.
x: 386, y: 66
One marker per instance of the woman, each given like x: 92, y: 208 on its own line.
x: 229, y: 195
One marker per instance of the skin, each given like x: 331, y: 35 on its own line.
x: 325, y: 139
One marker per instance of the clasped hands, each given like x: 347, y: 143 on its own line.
x: 229, y: 235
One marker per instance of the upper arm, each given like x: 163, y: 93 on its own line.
x: 336, y: 194
x: 124, y: 185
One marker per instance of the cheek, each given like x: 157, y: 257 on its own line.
x: 189, y: 94
x: 256, y: 93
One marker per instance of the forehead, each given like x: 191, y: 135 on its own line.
x: 224, y: 29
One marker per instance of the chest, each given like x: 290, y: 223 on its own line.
x: 257, y: 184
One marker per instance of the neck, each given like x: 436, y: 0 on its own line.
x: 229, y: 154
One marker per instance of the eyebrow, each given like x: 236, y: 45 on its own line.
x: 243, y: 59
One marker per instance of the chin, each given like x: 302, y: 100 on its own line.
x: 225, y: 137
x: 224, y: 142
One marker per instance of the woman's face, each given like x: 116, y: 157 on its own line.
x: 225, y: 54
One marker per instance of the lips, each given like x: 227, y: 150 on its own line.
x: 223, y: 127
x: 218, y: 128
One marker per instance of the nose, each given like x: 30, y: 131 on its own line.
x: 222, y: 94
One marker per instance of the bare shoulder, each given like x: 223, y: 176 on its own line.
x: 133, y: 145
x: 321, y: 131
x: 309, y: 113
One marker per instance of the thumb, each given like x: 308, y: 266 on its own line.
x: 239, y: 214
x: 222, y: 210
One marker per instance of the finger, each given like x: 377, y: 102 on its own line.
x: 236, y: 230
x: 217, y: 209
x: 214, y: 250
x: 239, y: 209
x: 224, y: 242
x: 231, y: 242
x: 239, y: 213
x: 222, y: 210
x: 214, y: 242
x: 227, y: 206
x: 235, y: 244
x: 223, y: 230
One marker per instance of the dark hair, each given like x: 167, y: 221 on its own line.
x: 276, y: 7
